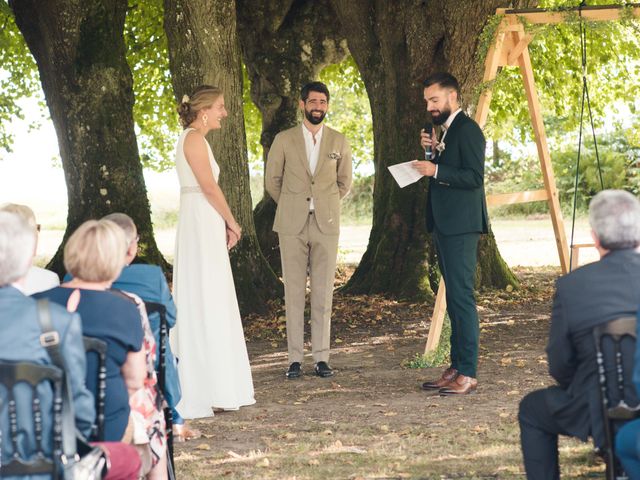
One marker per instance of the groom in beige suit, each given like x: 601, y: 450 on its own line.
x: 308, y: 172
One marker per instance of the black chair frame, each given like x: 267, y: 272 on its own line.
x: 161, y: 310
x: 12, y: 374
x: 621, y: 412
x: 92, y: 344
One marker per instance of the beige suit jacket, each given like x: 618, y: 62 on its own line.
x: 289, y: 181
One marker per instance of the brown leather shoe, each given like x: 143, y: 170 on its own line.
x: 462, y: 385
x: 447, y: 377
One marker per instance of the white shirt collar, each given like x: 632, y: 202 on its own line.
x: 18, y: 286
x: 318, y: 135
x: 449, y: 121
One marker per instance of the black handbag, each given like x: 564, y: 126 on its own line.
x: 79, y: 460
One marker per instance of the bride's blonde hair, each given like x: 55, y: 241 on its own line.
x: 202, y: 97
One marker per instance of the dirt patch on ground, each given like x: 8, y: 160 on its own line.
x: 372, y: 420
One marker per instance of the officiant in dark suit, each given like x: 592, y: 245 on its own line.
x: 456, y: 215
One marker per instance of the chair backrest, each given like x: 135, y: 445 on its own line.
x: 13, y: 374
x: 161, y: 310
x: 615, y: 348
x: 99, y: 347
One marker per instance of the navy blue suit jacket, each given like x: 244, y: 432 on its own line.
x: 149, y: 283
x: 20, y: 341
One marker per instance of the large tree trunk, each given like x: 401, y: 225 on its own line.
x: 396, y: 44
x: 285, y: 44
x: 80, y: 51
x: 203, y: 49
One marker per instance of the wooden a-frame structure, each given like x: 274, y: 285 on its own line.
x: 511, y: 47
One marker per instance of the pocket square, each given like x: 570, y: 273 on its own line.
x: 335, y: 156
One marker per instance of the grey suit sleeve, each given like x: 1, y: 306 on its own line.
x: 344, y: 168
x: 560, y: 351
x: 76, y: 364
x: 274, y: 170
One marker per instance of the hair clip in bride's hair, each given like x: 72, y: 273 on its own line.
x: 185, y: 99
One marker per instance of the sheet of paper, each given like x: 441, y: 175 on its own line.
x: 404, y: 173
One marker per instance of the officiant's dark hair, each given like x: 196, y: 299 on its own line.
x: 314, y: 87
x: 444, y: 79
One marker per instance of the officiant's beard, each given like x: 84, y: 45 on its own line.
x: 308, y: 114
x: 442, y: 115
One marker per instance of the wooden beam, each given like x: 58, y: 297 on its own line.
x: 492, y: 62
x: 526, y: 69
x: 575, y: 253
x: 498, y: 199
x: 516, y: 51
x: 583, y: 245
x: 597, y: 13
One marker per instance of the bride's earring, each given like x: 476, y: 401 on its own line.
x: 205, y: 118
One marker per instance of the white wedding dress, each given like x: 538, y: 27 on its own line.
x: 208, y: 338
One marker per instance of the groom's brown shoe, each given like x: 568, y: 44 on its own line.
x: 462, y: 385
x: 447, y: 377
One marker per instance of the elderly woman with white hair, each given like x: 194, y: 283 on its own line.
x: 37, y: 279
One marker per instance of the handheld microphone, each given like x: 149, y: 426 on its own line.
x: 428, y: 129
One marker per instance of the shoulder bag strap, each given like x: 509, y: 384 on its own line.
x: 50, y: 339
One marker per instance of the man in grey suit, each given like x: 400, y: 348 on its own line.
x: 590, y: 296
x: 308, y: 172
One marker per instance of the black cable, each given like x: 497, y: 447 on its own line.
x: 575, y: 184
x: 585, y: 96
x: 586, y: 88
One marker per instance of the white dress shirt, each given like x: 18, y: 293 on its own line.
x: 312, y: 146
x: 38, y: 280
x: 445, y: 127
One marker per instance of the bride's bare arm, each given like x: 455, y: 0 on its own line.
x: 195, y: 151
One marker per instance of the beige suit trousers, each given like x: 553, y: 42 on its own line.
x: 313, y: 250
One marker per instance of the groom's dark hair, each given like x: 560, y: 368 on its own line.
x: 313, y: 87
x: 444, y: 79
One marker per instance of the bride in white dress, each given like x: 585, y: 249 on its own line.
x: 208, y: 338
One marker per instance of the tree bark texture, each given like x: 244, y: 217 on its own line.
x: 396, y: 45
x: 285, y: 44
x: 203, y: 49
x: 80, y: 51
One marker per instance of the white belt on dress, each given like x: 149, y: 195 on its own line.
x: 190, y: 190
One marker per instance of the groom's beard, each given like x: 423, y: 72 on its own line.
x: 315, y: 120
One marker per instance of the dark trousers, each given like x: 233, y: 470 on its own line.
x: 457, y: 259
x: 539, y: 437
x: 628, y: 448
